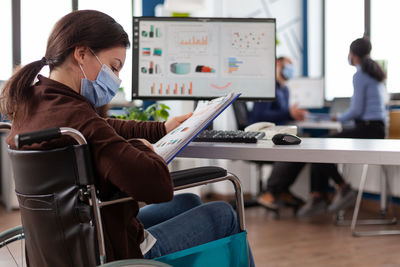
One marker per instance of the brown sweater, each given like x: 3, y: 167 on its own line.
x: 121, y: 162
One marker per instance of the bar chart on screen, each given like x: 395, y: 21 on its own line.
x: 180, y: 89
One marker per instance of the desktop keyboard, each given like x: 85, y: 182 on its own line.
x: 229, y: 136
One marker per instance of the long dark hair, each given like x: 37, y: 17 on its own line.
x: 362, y: 47
x: 90, y: 28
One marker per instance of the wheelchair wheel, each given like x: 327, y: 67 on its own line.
x: 12, y: 247
x: 135, y: 263
x: 12, y: 252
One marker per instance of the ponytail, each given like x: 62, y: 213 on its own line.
x: 19, y: 88
x: 373, y: 69
x: 361, y: 47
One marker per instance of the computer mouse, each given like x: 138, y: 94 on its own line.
x: 285, y: 139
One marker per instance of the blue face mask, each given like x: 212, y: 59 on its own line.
x: 103, y: 89
x: 288, y: 71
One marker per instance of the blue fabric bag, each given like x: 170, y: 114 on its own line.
x: 231, y: 251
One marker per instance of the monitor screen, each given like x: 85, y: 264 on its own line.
x: 202, y: 58
x: 306, y: 92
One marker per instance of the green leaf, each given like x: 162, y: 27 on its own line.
x: 164, y: 114
x: 163, y: 106
x: 155, y: 111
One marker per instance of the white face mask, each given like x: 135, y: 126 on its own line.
x: 103, y: 89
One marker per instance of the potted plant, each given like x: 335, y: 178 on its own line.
x: 155, y: 112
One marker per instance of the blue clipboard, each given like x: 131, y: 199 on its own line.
x: 197, y: 131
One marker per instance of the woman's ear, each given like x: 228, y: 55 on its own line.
x: 80, y: 54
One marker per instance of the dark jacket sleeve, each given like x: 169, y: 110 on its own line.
x: 128, y: 164
x: 151, y: 131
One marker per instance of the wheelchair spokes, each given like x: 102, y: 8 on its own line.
x: 12, y: 249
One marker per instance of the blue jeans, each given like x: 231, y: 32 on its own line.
x: 185, y: 222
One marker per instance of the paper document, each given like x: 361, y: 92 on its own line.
x: 173, y: 142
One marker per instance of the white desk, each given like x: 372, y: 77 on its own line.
x: 322, y: 150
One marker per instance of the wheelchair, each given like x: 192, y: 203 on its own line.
x: 56, y: 191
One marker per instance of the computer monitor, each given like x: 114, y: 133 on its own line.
x: 202, y: 58
x: 306, y: 92
x: 339, y: 105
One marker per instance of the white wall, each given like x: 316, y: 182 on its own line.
x: 315, y: 38
x: 289, y: 17
x: 5, y: 44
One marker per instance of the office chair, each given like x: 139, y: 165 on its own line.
x: 56, y: 191
x: 241, y: 114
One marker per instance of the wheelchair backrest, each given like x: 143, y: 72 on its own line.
x: 58, y: 223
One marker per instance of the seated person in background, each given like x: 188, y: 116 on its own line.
x: 279, y: 112
x: 86, y: 51
x: 367, y: 109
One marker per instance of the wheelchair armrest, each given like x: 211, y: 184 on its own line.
x: 195, y: 175
x: 180, y: 178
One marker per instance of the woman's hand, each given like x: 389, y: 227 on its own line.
x: 176, y: 121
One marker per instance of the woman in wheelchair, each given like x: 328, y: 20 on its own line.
x: 85, y: 53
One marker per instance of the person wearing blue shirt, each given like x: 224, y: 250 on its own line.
x: 367, y: 103
x: 367, y: 109
x: 280, y: 112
